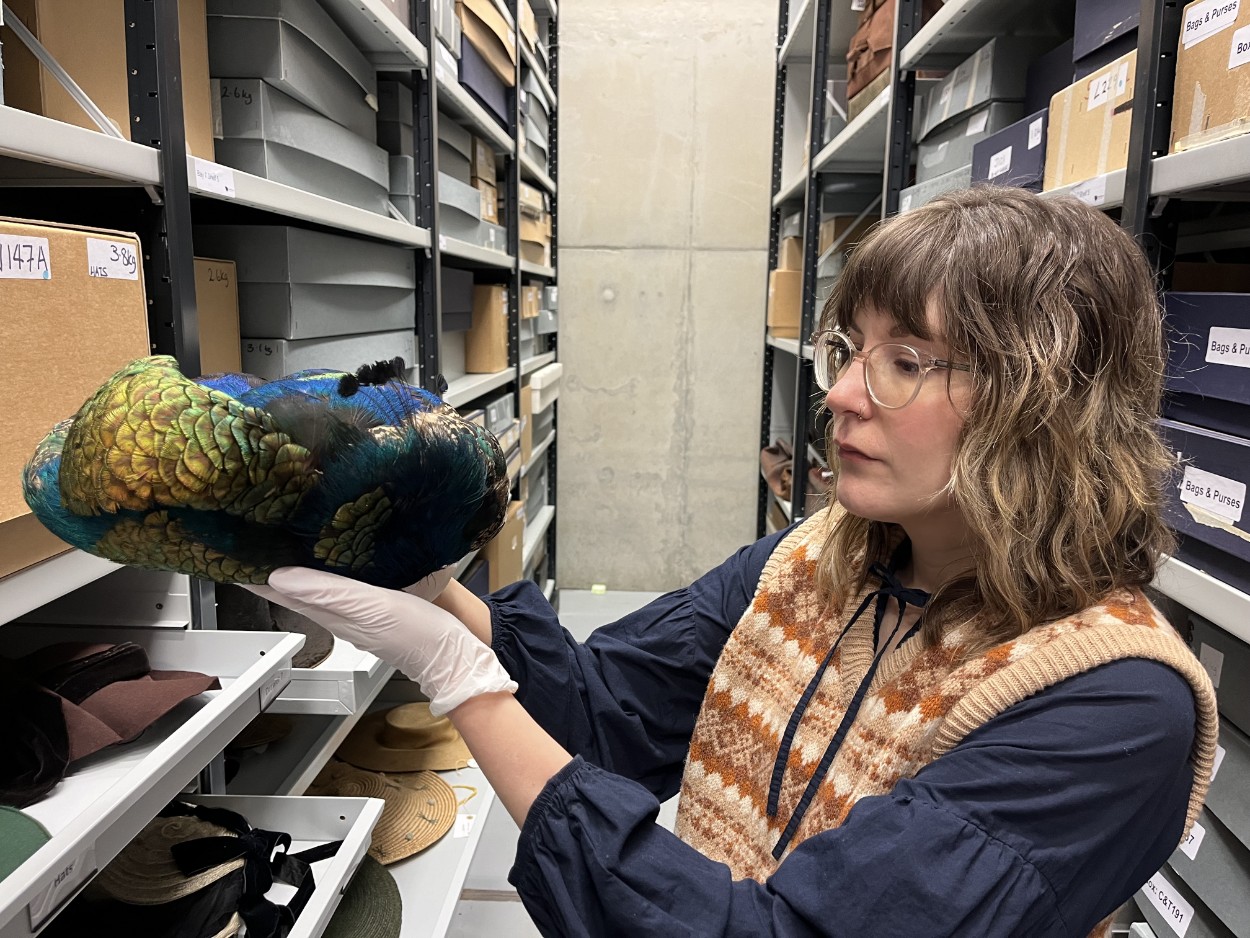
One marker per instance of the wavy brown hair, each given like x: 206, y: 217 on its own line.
x: 1059, y: 471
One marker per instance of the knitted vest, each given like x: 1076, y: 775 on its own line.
x: 921, y: 703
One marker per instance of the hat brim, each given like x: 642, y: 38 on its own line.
x: 365, y: 748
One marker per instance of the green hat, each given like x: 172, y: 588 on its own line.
x: 370, y: 907
x: 20, y: 836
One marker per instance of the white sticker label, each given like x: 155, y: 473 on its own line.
x: 935, y: 156
x: 904, y: 204
x: 1239, y: 51
x: 1218, y: 495
x: 25, y: 258
x: 1099, y: 90
x: 1093, y: 191
x: 1121, y: 81
x: 464, y: 825
x: 978, y: 124
x: 66, y: 881
x: 1035, y: 133
x: 945, y: 97
x: 1203, y: 20
x: 274, y: 686
x: 1218, y: 761
x: 1169, y: 903
x: 114, y: 259
x: 1190, y: 845
x: 1213, y: 660
x: 1227, y: 346
x: 1000, y: 162
x: 213, y: 177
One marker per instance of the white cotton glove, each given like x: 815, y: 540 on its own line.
x: 428, y: 644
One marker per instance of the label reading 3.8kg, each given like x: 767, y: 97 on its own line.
x: 115, y: 260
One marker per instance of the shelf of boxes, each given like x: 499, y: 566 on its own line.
x: 536, y: 362
x: 60, y: 152
x: 214, y: 181
x: 958, y: 29
x: 545, y: 8
x: 801, y: 34
x: 790, y: 191
x: 384, y: 39
x: 468, y: 387
x: 535, y: 531
x: 1105, y: 191
x: 784, y: 345
x: 50, y: 579
x: 456, y: 100
x: 1225, y: 163
x: 537, y: 270
x: 538, y: 453
x: 104, y: 802
x: 1208, y: 596
x: 539, y: 75
x: 530, y: 168
x: 860, y: 147
x: 483, y: 257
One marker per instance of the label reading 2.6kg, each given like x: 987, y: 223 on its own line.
x: 115, y: 260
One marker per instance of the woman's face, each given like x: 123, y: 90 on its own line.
x: 893, y: 463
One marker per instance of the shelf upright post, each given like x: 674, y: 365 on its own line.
x: 774, y: 242
x: 425, y: 145
x: 553, y: 170
x: 804, y: 385
x: 907, y: 23
x: 1152, y: 225
x: 513, y: 202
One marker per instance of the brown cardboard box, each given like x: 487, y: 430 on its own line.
x: 790, y: 254
x: 832, y: 228
x: 98, y: 65
x: 784, y: 308
x: 485, y: 27
x: 486, y: 342
x: 536, y: 239
x: 529, y: 26
x: 1211, y: 100
x: 490, y: 201
x: 217, y: 307
x: 530, y: 301
x: 527, y: 425
x: 1087, y: 133
x: 866, y: 95
x: 505, y: 551
x: 532, y: 200
x: 63, y: 335
x: 482, y: 161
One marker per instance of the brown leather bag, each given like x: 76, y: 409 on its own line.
x: 777, y: 467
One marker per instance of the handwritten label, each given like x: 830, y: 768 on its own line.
x: 259, y: 348
x: 1092, y: 191
x: 218, y: 275
x: 113, y: 259
x: 65, y: 883
x: 274, y: 686
x: 1170, y: 904
x: 1213, y: 660
x: 1000, y: 162
x: 1239, y: 51
x: 978, y: 124
x: 23, y: 257
x: 1204, y: 20
x: 1190, y: 845
x: 1218, y: 495
x: 464, y: 825
x: 1219, y: 760
x: 1035, y: 133
x: 1227, y: 346
x: 213, y: 177
x: 1099, y: 90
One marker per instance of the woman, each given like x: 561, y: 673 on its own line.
x: 941, y: 707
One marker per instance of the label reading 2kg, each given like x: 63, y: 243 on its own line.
x: 1218, y: 495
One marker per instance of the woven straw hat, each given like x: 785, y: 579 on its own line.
x: 144, y: 873
x: 405, y: 739
x: 414, y: 815
x: 371, y: 907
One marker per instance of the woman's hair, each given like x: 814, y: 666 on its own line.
x: 1058, y: 471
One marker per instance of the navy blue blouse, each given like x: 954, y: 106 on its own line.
x: 1040, y: 823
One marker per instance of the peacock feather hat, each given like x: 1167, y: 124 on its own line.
x: 228, y: 477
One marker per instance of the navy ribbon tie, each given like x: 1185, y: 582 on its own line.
x: 890, y: 588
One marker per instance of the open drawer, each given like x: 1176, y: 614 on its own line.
x: 341, y: 685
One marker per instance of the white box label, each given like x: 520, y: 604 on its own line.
x: 1169, y: 903
x: 274, y: 686
x: 1000, y: 162
x: 1099, y: 90
x: 1092, y: 191
x: 936, y: 155
x: 25, y: 258
x: 64, y: 884
x: 1213, y: 660
x: 1239, y: 52
x: 978, y: 124
x: 1227, y: 346
x: 1218, y: 761
x: 1035, y: 133
x: 213, y: 177
x: 1204, y: 20
x: 113, y: 259
x: 1121, y: 81
x: 1190, y: 845
x: 464, y: 825
x: 1218, y: 495
x: 904, y: 204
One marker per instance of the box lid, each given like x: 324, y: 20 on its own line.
x: 488, y: 13
x: 285, y: 254
x: 460, y: 196
x: 457, y: 136
x: 995, y: 72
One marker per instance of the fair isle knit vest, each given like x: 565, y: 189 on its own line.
x: 920, y: 704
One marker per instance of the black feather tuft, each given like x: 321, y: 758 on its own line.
x: 381, y: 372
x: 348, y: 385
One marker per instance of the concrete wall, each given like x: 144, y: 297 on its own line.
x: 665, y: 149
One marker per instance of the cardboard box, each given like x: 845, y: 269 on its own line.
x: 785, y: 288
x: 482, y: 83
x: 528, y: 26
x: 68, y: 326
x: 217, y: 311
x: 1216, y: 866
x: 1208, y: 354
x: 790, y: 254
x: 1211, y: 100
x: 490, y: 201
x: 275, y: 358
x: 831, y: 229
x: 871, y: 48
x: 1208, y: 503
x: 99, y: 65
x: 998, y: 71
x: 532, y: 200
x: 486, y: 30
x: 1089, y: 123
x: 483, y: 160
x: 1014, y: 156
x: 1229, y: 796
x: 486, y: 342
x: 536, y: 240
x: 921, y: 193
x: 457, y: 298
x: 530, y: 304
x: 1227, y: 660
x: 951, y: 147
x: 1173, y: 893
x: 504, y: 552
x: 527, y: 424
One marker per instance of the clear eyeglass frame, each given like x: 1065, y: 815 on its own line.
x: 834, y: 353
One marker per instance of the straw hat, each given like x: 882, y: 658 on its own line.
x: 414, y: 816
x: 145, y: 873
x: 371, y: 907
x: 405, y: 739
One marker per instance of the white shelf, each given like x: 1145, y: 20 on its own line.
x: 785, y: 345
x: 545, y: 8
x: 791, y: 190
x: 506, y: 14
x: 540, y: 75
x: 468, y: 387
x: 538, y: 270
x: 1105, y: 191
x: 548, y: 589
x: 101, y: 805
x: 961, y: 27
x: 535, y: 531
x: 71, y: 152
x: 801, y: 34
x: 536, y: 362
x: 1213, y: 599
x: 311, y: 822
x: 285, y: 200
x: 47, y: 580
x: 538, y: 453
x: 341, y: 685
x: 487, y: 257
x: 532, y: 169
x: 1218, y: 164
x: 456, y: 100
x: 860, y: 147
x: 385, y: 40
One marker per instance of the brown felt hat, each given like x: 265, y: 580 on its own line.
x: 405, y: 739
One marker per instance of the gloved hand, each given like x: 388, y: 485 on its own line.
x: 426, y: 643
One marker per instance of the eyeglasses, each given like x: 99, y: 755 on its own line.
x: 893, y: 372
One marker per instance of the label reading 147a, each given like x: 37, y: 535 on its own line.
x: 23, y: 257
